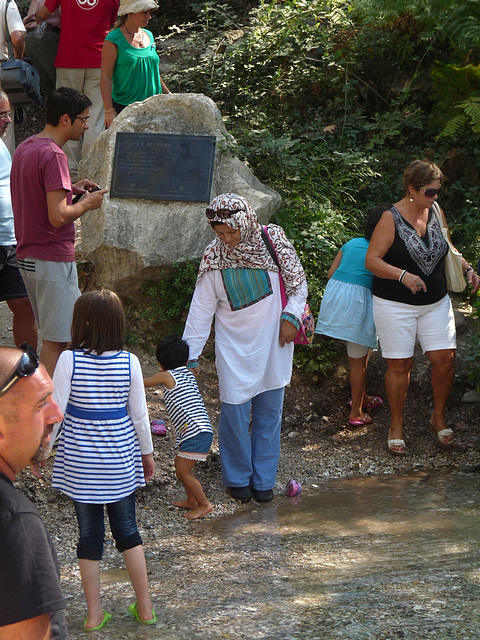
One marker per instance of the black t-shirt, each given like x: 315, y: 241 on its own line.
x: 423, y: 256
x: 29, y: 572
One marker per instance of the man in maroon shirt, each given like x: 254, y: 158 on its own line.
x: 44, y: 218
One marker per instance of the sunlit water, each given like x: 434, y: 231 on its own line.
x: 376, y: 557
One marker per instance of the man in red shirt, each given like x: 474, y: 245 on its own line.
x: 85, y: 23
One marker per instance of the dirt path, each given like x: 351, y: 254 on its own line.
x: 189, y: 564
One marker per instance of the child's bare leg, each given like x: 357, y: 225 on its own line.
x: 137, y: 570
x: 182, y: 466
x: 358, y: 371
x: 196, y: 499
x: 90, y: 573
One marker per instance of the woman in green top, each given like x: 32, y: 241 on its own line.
x: 130, y: 63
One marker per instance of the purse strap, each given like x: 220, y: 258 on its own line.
x: 269, y: 245
x: 271, y: 250
x: 443, y: 228
x: 436, y: 211
x: 11, y: 54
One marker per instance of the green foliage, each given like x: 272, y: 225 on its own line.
x: 23, y: 6
x: 469, y: 116
x: 474, y: 355
x: 167, y: 301
x: 329, y: 101
x: 318, y: 359
x: 179, y: 12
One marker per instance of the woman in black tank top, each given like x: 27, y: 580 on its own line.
x: 406, y: 256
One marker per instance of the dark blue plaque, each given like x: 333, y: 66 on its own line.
x: 160, y: 166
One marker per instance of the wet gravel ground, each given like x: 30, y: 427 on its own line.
x: 242, y: 573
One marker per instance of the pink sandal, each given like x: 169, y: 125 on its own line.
x: 158, y: 427
x: 367, y: 419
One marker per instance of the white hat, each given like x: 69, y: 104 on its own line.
x: 135, y: 6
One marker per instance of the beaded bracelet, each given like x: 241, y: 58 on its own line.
x: 402, y: 276
x: 110, y: 110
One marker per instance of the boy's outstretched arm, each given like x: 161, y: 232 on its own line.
x: 162, y: 377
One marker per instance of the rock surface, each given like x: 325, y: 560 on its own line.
x: 129, y: 240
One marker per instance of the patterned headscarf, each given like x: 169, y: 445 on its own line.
x: 251, y: 252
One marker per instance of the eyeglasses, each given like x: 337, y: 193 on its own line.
x: 223, y: 214
x: 5, y: 114
x: 84, y: 120
x: 26, y: 366
x: 430, y: 193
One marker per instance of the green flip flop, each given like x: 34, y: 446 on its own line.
x: 132, y: 610
x: 106, y: 618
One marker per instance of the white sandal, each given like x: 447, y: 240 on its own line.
x: 443, y: 435
x: 396, y: 442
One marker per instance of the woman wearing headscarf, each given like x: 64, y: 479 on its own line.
x: 238, y: 285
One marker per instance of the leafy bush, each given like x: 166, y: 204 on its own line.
x: 165, y: 305
x: 330, y: 101
x: 474, y: 355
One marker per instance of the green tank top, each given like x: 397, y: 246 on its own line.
x: 136, y: 75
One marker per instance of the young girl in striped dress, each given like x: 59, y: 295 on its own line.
x: 105, y: 448
x: 189, y: 417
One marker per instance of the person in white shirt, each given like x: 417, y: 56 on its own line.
x: 238, y: 284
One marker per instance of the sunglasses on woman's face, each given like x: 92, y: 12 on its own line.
x: 223, y: 214
x: 430, y: 193
x: 26, y: 366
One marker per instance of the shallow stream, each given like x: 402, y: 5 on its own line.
x: 380, y: 557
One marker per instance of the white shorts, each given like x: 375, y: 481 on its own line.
x: 398, y: 325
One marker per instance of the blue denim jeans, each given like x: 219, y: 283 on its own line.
x: 123, y: 524
x: 201, y: 443
x: 251, y: 459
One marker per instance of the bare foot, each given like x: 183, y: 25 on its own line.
x: 200, y: 511
x: 186, y: 504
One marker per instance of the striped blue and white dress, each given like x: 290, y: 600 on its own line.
x: 105, y: 429
x: 185, y: 406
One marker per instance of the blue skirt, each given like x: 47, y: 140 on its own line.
x: 346, y: 314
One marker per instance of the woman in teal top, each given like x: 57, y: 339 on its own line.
x: 130, y: 63
x: 346, y: 314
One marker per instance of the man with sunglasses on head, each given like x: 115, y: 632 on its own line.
x: 44, y: 218
x: 12, y: 288
x: 31, y: 603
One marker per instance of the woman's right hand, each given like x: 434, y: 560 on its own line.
x: 109, y: 118
x: 414, y: 283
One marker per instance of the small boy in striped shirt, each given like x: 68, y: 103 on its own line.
x: 189, y: 417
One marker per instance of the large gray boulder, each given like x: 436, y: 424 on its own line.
x: 129, y: 241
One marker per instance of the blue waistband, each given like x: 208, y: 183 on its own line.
x: 96, y: 414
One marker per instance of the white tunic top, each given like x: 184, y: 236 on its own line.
x: 249, y: 357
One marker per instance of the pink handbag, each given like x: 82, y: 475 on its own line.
x: 307, y: 322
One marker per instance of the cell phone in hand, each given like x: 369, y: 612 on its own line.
x: 79, y: 195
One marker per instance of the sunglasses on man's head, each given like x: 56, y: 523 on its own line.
x: 223, y: 214
x: 430, y: 193
x: 26, y: 366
